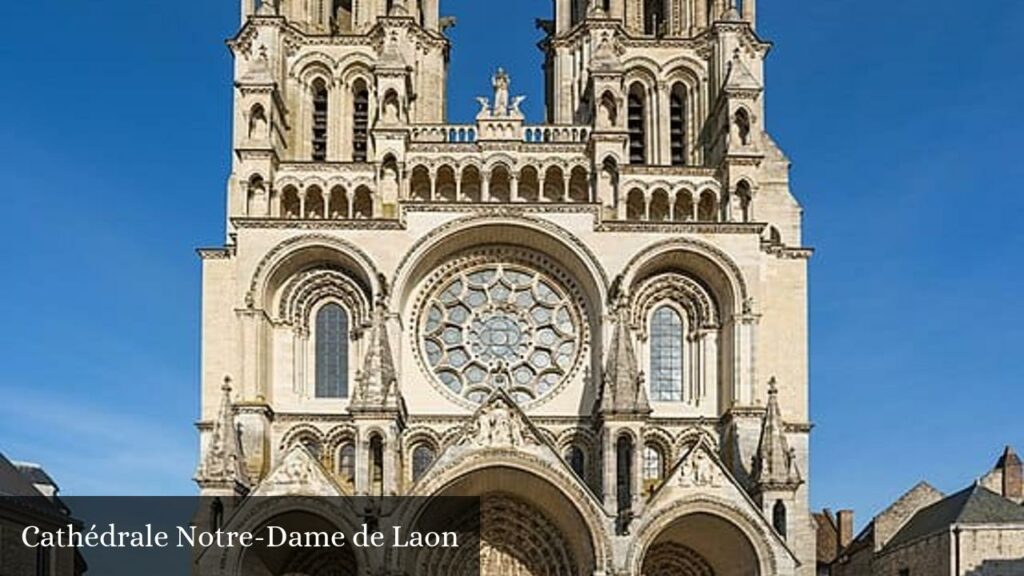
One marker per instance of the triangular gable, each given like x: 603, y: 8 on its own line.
x: 700, y: 472
x: 500, y: 424
x: 299, y: 474
x: 740, y: 77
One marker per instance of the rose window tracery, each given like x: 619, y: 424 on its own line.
x: 500, y: 326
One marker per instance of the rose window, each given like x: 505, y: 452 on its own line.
x: 500, y: 326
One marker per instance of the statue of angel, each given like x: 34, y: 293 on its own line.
x: 515, y: 105
x: 485, y: 106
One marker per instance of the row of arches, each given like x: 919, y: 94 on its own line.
x: 525, y: 524
x: 447, y: 183
x: 659, y: 17
x: 316, y: 203
x: 661, y: 205
x: 345, y: 16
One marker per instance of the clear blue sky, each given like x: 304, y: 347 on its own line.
x: 902, y: 119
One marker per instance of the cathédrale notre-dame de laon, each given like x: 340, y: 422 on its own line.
x: 597, y: 324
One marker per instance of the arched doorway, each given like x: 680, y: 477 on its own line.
x: 701, y: 544
x: 263, y: 560
x: 525, y: 527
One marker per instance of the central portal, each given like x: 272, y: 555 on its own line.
x: 525, y: 527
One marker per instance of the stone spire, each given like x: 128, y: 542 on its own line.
x: 775, y: 464
x: 623, y: 386
x: 377, y: 382
x: 223, y: 465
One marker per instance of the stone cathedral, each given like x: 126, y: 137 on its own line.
x: 597, y: 324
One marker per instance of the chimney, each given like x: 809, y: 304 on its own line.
x: 1013, y: 475
x: 845, y: 521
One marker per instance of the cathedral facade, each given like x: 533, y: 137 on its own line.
x: 597, y: 324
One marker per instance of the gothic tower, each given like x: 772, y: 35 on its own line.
x: 598, y: 323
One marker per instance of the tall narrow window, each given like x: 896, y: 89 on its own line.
x: 216, y: 515
x: 341, y: 15
x: 654, y: 467
x: 332, y: 352
x: 666, y: 355
x: 743, y: 126
x: 422, y: 458
x: 654, y: 17
x: 360, y: 122
x: 636, y: 124
x: 578, y: 9
x: 779, y: 518
x: 347, y: 463
x: 624, y: 475
x: 677, y: 124
x: 319, y: 121
x: 376, y: 466
x: 574, y: 457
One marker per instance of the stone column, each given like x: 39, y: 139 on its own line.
x: 485, y: 186
x: 247, y: 8
x: 243, y: 187
x: 709, y: 381
x: 363, y: 458
x: 609, y: 471
x: 514, y: 184
x: 744, y: 327
x: 299, y: 341
x: 433, y: 186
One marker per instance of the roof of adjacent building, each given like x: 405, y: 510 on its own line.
x: 827, y: 536
x: 34, y: 473
x: 975, y: 505
x: 13, y: 482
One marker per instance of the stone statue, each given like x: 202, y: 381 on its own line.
x: 448, y: 22
x: 485, y: 107
x: 501, y: 83
x: 516, y: 102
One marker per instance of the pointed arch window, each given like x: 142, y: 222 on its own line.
x: 360, y: 122
x: 319, y: 120
x: 677, y: 124
x: 636, y: 124
x: 332, y: 352
x: 666, y: 355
